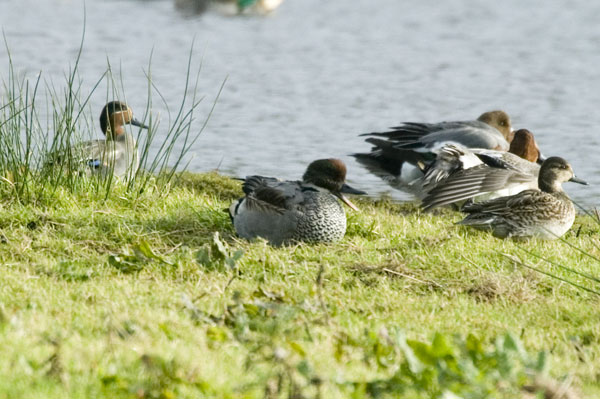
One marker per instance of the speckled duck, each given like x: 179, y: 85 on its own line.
x: 546, y: 213
x: 295, y: 211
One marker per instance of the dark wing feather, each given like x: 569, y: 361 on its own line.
x: 262, y: 206
x: 270, y: 194
x: 447, y: 163
x: 511, y: 204
x: 252, y: 183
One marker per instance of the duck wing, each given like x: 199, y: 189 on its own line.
x: 252, y: 183
x: 474, y: 134
x: 387, y: 159
x: 413, y: 131
x: 429, y: 136
x: 519, y: 205
x: 272, y: 195
x: 92, y: 153
x: 450, y: 160
x: 85, y: 152
x: 475, y: 181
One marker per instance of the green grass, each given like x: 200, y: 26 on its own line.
x: 132, y: 297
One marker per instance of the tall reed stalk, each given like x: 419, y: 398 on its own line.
x: 32, y: 140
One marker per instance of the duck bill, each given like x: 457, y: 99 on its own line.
x: 576, y: 179
x: 135, y: 122
x: 348, y: 190
x: 346, y: 201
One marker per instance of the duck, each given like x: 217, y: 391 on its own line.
x: 399, y: 156
x: 229, y: 7
x: 260, y: 6
x: 460, y: 174
x: 546, y: 212
x: 117, y: 154
x: 283, y: 211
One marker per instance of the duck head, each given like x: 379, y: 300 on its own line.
x: 554, y: 172
x: 500, y: 120
x: 113, y: 118
x: 331, y: 175
x: 523, y: 144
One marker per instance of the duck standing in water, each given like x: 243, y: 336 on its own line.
x: 399, y: 156
x: 116, y: 155
x: 287, y: 211
x: 546, y: 213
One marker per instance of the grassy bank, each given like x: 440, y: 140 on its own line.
x: 134, y: 296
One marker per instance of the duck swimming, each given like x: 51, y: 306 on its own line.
x: 547, y: 213
x: 229, y: 7
x: 289, y: 211
x: 398, y: 156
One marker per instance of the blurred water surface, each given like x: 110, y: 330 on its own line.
x: 303, y: 82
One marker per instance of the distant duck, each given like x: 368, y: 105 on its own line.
x: 398, y: 156
x: 546, y: 213
x: 117, y: 154
x: 459, y: 173
x: 290, y: 211
x: 230, y: 7
x: 262, y: 6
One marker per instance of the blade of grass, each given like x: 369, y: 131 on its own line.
x: 519, y: 262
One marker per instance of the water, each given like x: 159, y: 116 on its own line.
x: 304, y: 82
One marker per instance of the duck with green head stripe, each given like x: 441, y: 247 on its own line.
x: 116, y: 155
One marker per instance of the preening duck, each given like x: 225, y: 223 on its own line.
x: 459, y: 173
x: 399, y: 155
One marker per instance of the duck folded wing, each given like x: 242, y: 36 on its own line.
x: 503, y: 160
x: 519, y: 206
x: 407, y: 132
x: 391, y: 151
x: 483, y: 136
x: 252, y: 183
x: 268, y: 200
x: 95, y: 151
x: 271, y: 194
x: 472, y: 134
x: 80, y: 152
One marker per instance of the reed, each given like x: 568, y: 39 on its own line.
x: 40, y: 123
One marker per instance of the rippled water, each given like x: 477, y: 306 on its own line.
x: 304, y: 81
